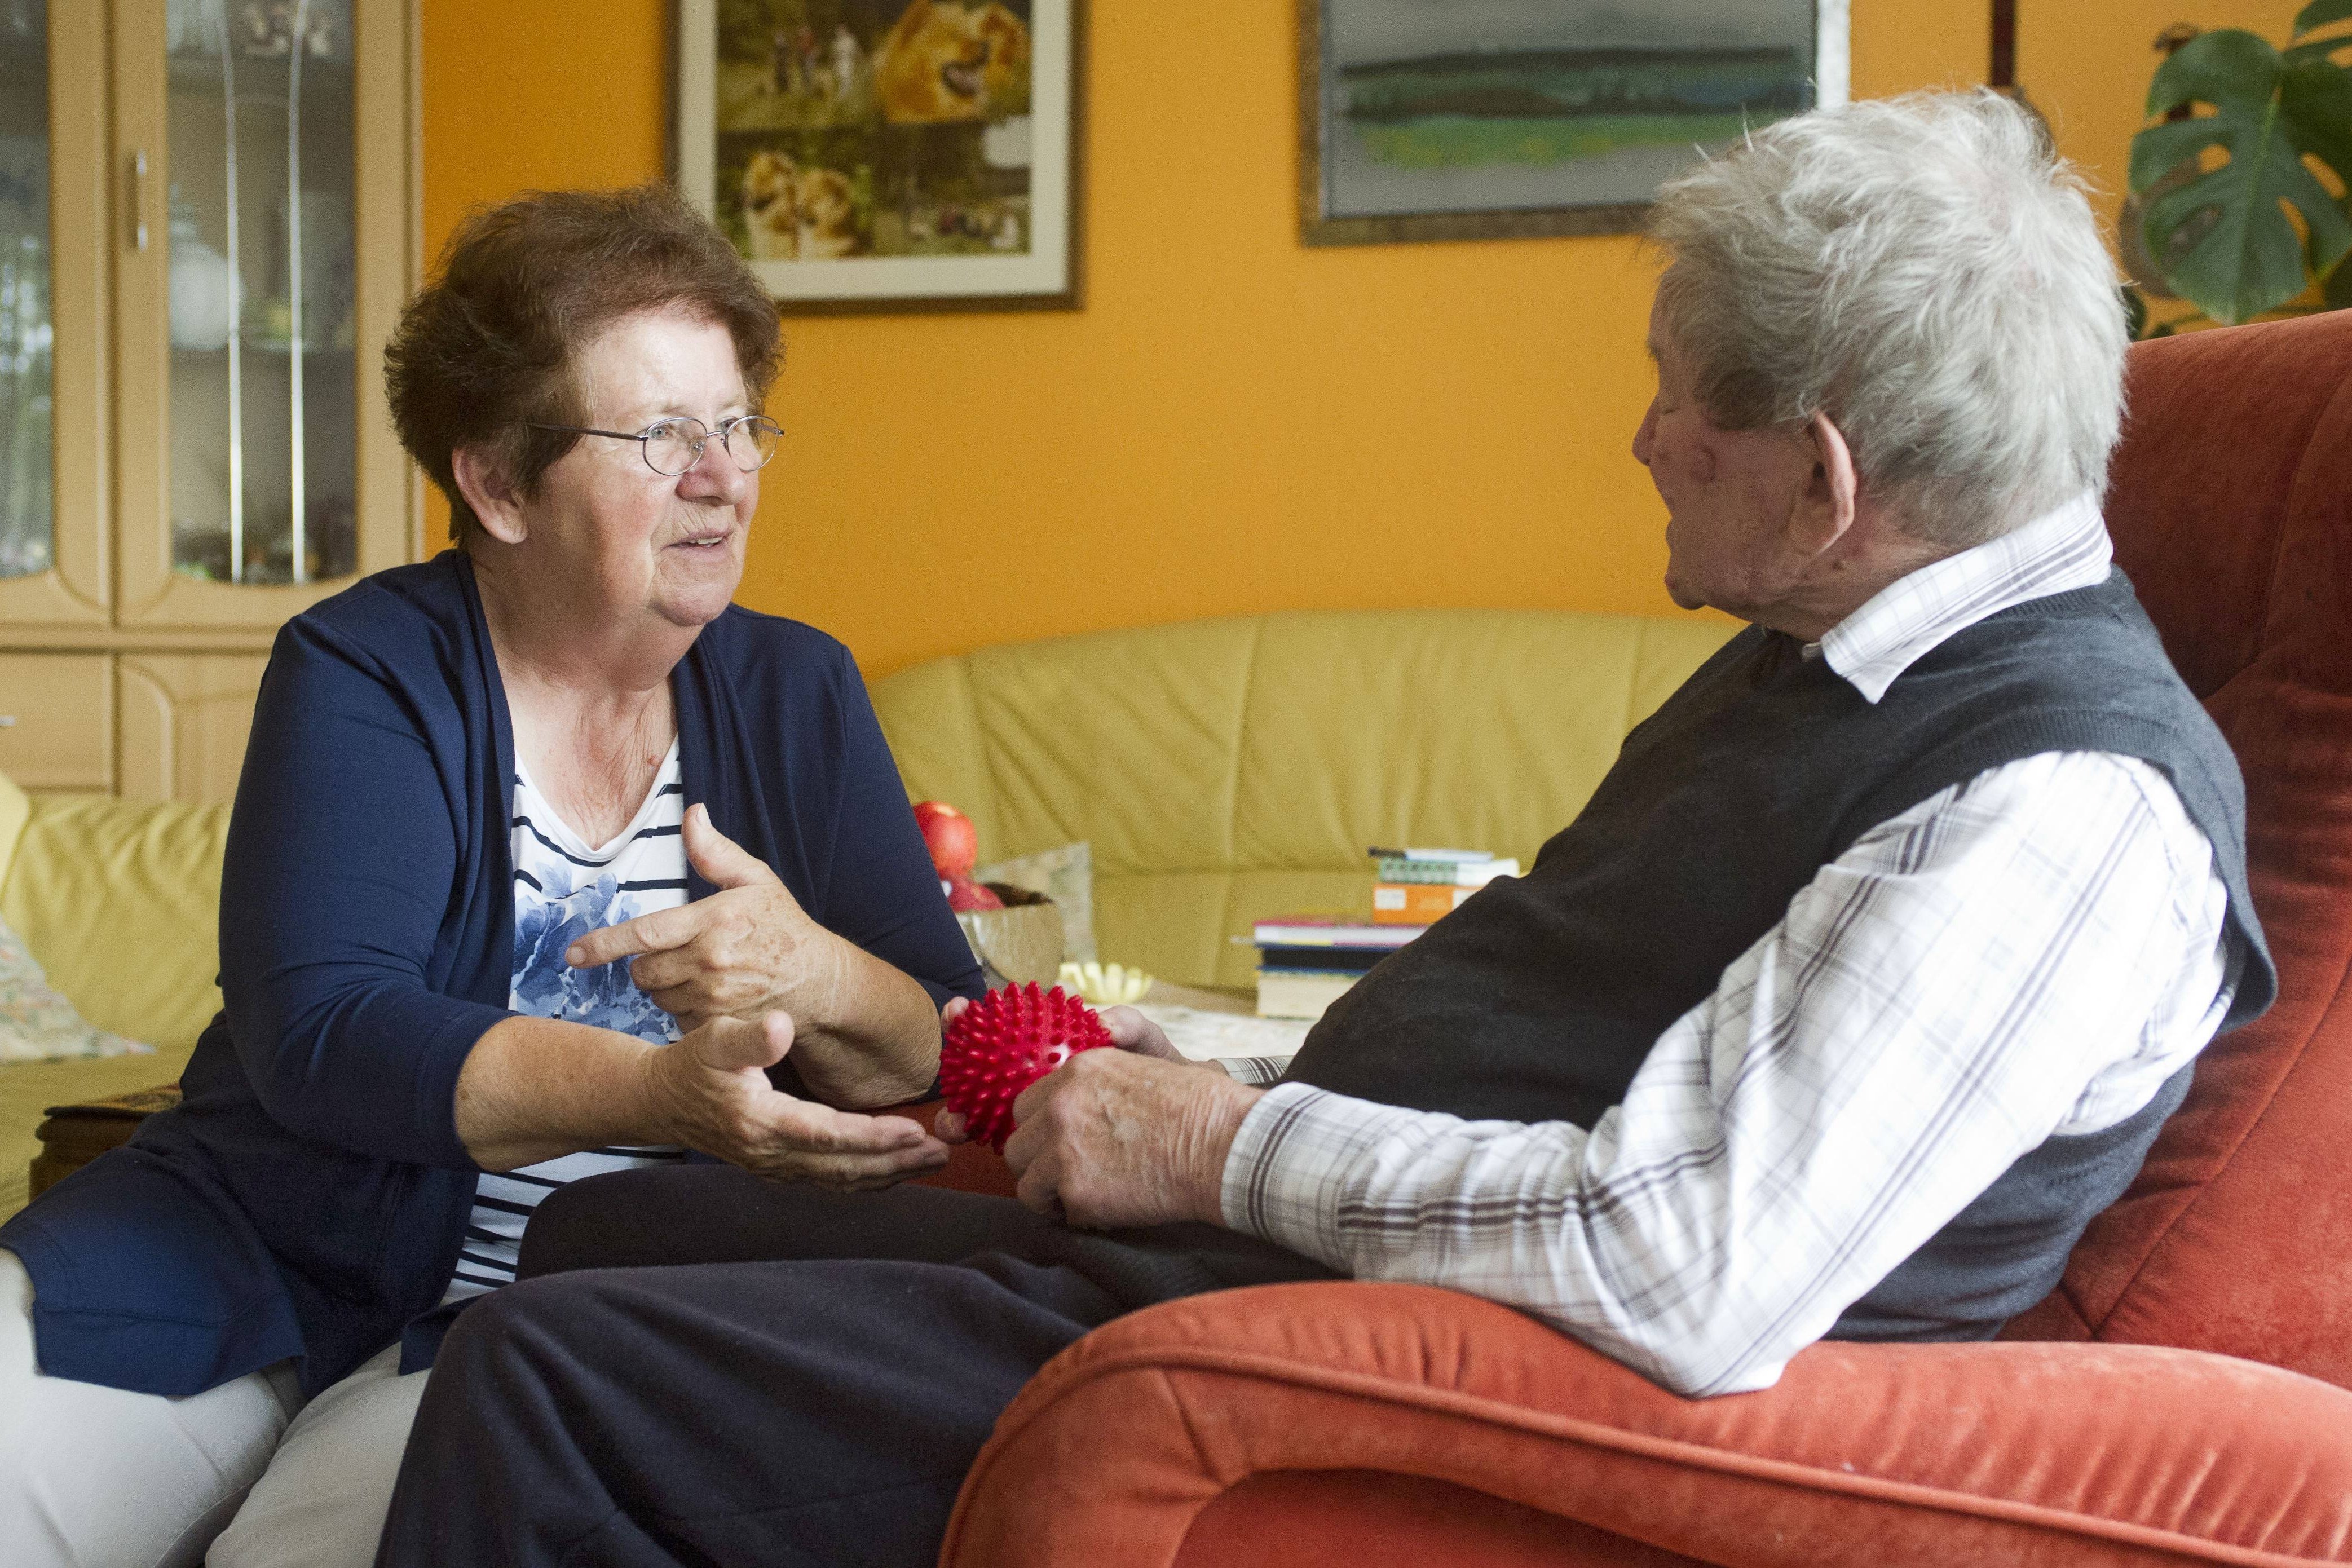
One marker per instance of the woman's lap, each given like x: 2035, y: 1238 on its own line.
x: 97, y: 1477
x: 321, y: 1505
x: 92, y: 1477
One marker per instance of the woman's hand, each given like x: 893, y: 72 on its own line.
x: 747, y: 949
x: 750, y: 949
x: 709, y: 1091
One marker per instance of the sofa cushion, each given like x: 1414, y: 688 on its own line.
x: 37, y: 1023
x: 1228, y: 770
x: 122, y: 905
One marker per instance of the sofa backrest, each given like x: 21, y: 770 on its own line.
x: 122, y: 905
x: 2231, y: 508
x: 1229, y: 769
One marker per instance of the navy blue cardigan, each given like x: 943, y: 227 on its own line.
x: 308, y: 1196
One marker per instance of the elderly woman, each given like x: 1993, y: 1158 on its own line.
x: 476, y: 788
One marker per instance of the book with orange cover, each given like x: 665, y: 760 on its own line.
x: 1414, y: 902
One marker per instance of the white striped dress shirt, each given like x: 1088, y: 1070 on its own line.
x: 2031, y: 952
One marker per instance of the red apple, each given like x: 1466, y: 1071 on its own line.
x: 953, y: 842
x: 963, y: 894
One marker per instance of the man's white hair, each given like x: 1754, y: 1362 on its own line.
x: 1925, y: 271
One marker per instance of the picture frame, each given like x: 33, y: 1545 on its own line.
x: 1491, y: 118
x: 871, y: 156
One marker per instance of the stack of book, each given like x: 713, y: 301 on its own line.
x: 1419, y: 886
x: 1305, y: 961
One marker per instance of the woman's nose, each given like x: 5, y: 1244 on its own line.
x: 714, y: 473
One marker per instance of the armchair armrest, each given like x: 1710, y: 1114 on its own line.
x: 1863, y: 1454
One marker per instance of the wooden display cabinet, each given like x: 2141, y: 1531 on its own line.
x: 194, y: 442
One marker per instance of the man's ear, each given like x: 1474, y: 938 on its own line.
x: 1825, y: 505
x: 490, y: 493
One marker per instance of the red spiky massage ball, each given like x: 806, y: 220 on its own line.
x: 1004, y: 1042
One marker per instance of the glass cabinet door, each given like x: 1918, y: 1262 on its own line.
x: 258, y: 250
x: 252, y: 317
x: 27, y: 330
x: 52, y: 557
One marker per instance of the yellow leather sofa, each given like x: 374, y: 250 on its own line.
x: 120, y: 904
x: 1223, y: 770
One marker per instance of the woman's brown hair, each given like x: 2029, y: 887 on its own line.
x: 486, y: 350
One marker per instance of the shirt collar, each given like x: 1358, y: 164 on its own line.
x: 2065, y: 549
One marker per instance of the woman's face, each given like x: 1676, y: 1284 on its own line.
x: 612, y: 537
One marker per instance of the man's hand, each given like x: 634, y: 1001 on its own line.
x: 749, y: 948
x: 711, y: 1092
x: 1133, y: 1137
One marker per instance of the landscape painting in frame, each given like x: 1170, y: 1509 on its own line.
x: 888, y: 154
x: 1473, y: 119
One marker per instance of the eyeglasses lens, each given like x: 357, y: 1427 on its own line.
x: 751, y: 442
x: 673, y: 445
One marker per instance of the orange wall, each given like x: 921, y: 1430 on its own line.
x: 1234, y: 423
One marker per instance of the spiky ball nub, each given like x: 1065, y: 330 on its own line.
x: 1004, y: 1042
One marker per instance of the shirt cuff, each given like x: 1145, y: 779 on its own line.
x: 1289, y: 1166
x: 1258, y: 1071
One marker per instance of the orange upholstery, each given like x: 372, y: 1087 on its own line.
x: 1340, y: 1424
x: 1867, y: 1455
x: 2231, y: 509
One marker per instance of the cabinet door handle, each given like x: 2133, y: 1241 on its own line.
x: 139, y: 199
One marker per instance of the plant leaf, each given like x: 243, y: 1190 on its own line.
x: 2318, y: 14
x: 2338, y: 293
x: 2317, y: 101
x: 2266, y: 117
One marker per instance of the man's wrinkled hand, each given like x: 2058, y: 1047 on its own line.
x: 1128, y: 1031
x: 1119, y: 1138
x: 746, y: 949
x: 711, y: 1092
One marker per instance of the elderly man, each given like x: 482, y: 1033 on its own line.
x: 1863, y: 981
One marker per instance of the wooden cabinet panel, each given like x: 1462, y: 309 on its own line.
x: 184, y: 721
x: 130, y: 664
x: 63, y: 709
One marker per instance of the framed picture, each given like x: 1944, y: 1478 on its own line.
x: 1485, y: 119
x: 872, y: 155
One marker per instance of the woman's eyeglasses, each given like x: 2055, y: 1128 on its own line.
x: 674, y: 445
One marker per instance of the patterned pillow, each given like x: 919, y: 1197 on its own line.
x: 37, y: 1024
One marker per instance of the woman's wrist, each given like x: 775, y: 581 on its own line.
x: 880, y: 1044
x: 536, y: 1089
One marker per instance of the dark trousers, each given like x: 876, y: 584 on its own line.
x: 814, y: 1398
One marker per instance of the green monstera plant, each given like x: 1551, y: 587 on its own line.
x: 2226, y: 235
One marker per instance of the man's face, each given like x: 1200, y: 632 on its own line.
x: 1728, y: 493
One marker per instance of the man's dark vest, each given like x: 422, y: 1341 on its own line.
x: 1539, y: 997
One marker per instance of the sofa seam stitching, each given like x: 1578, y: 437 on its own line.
x: 1234, y: 798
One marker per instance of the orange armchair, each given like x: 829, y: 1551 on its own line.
x: 2185, y: 1396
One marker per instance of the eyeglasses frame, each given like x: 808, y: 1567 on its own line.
x: 724, y: 431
